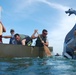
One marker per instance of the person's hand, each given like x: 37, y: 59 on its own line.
x: 43, y: 42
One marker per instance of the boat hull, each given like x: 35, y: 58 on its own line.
x: 69, y: 50
x: 8, y: 50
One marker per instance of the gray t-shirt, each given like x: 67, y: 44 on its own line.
x: 22, y: 36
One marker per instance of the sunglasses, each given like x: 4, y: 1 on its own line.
x: 45, y: 33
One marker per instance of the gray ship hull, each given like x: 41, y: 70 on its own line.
x: 69, y: 50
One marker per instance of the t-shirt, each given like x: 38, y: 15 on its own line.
x: 22, y: 36
x: 12, y: 40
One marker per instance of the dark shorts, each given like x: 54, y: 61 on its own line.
x: 28, y: 39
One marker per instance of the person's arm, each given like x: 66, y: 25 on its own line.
x: 46, y: 44
x: 23, y: 42
x: 33, y: 35
x: 6, y: 36
x: 4, y: 30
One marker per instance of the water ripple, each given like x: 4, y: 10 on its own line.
x: 37, y: 66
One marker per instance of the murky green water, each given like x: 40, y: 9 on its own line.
x: 37, y: 66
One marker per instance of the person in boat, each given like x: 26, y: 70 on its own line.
x: 2, y: 29
x: 22, y: 39
x: 12, y: 39
x: 43, y: 36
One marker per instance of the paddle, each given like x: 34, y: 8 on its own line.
x: 46, y: 49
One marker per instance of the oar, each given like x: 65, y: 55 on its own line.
x: 46, y: 49
x: 1, y: 29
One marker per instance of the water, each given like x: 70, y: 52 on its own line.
x: 37, y: 66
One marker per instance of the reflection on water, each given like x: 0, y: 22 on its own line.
x: 36, y: 66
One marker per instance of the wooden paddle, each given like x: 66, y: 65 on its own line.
x: 47, y: 51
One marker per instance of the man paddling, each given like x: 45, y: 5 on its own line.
x: 42, y: 41
x: 2, y: 29
x: 43, y: 36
